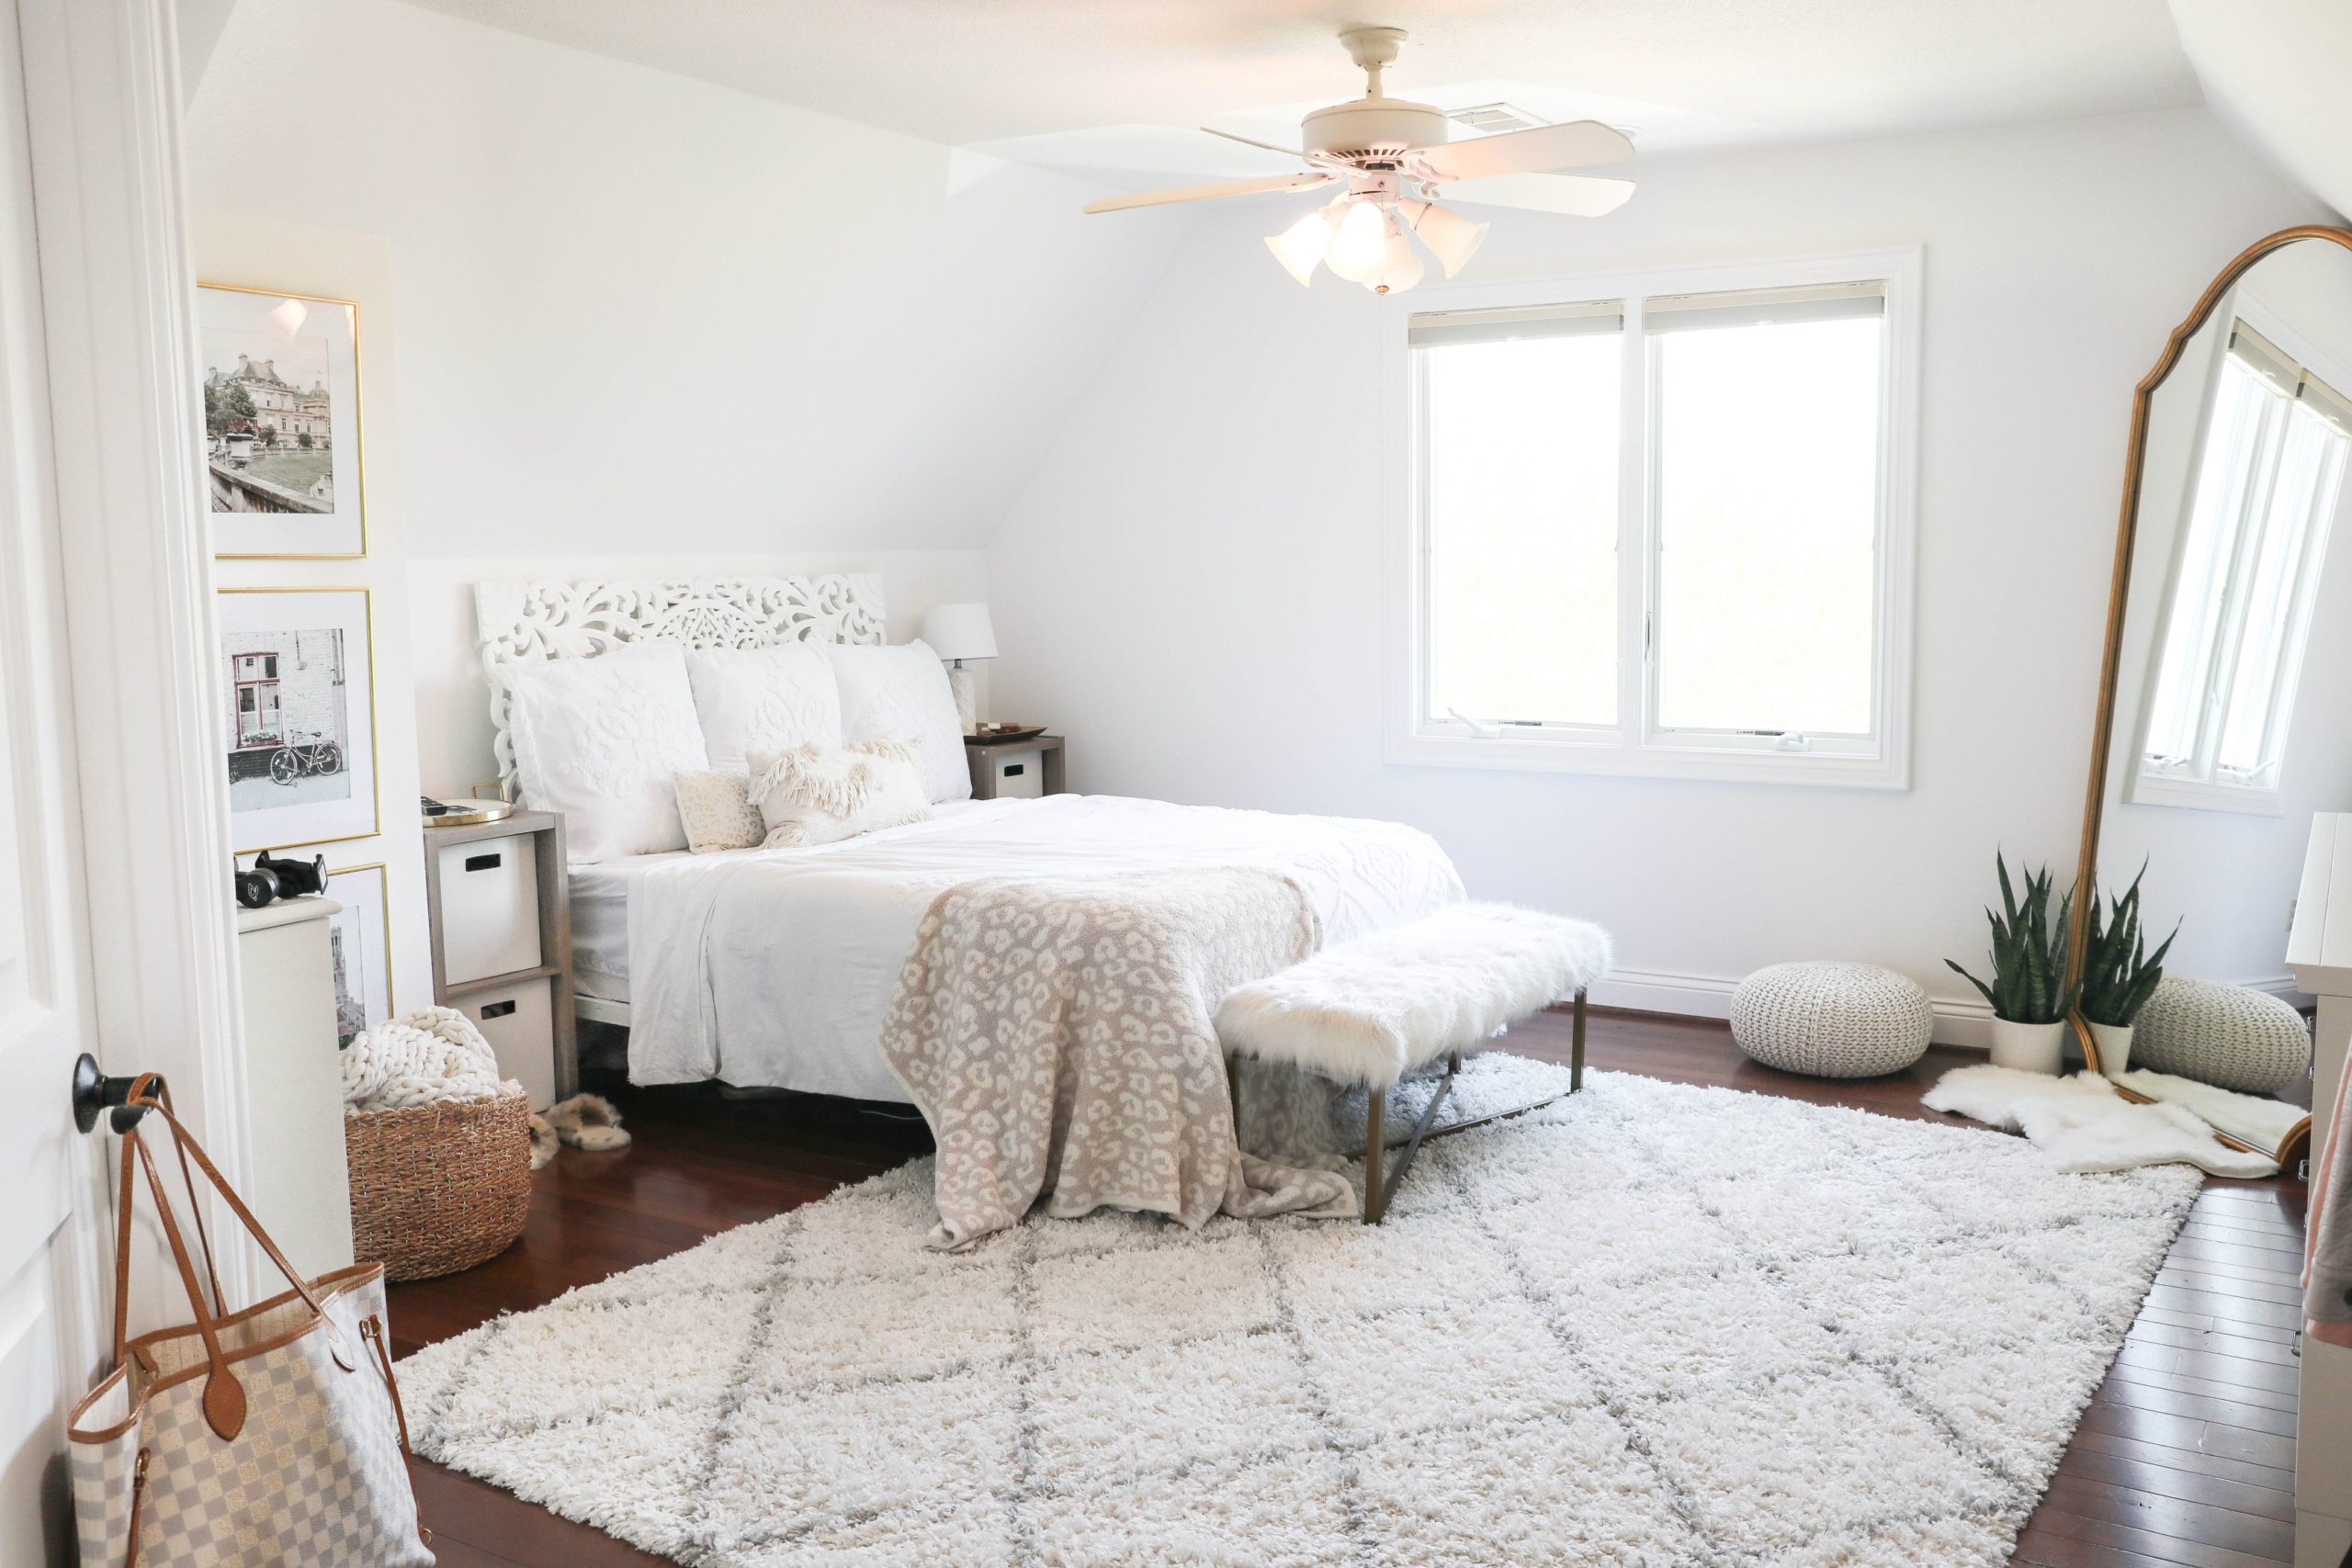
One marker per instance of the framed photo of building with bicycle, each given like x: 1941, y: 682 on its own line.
x: 296, y: 672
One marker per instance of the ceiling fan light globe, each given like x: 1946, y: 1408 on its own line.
x: 1450, y: 237
x: 1399, y: 268
x: 1300, y: 247
x: 1358, y: 243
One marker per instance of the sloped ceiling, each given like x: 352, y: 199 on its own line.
x: 636, y: 313
x: 2279, y: 73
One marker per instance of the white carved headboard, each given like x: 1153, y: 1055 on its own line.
x: 518, y: 619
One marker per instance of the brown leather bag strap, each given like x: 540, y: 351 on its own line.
x: 141, y: 1088
x: 224, y: 1399
x: 123, y: 1194
x: 194, y: 1150
x: 194, y: 1205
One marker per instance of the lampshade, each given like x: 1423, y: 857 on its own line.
x: 1358, y: 242
x: 1300, y: 247
x: 1450, y: 236
x: 959, y: 631
x: 1400, y: 267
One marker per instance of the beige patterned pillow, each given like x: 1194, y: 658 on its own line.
x: 717, y: 812
x: 818, y: 794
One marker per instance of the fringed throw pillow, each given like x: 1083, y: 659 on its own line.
x: 817, y: 794
x: 717, y: 812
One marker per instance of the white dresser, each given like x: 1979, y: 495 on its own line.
x: 2319, y: 950
x: 301, y: 1189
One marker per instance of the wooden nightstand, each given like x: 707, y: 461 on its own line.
x: 1016, y: 769
x: 501, y: 922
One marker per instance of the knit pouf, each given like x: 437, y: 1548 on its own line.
x: 2224, y: 1035
x: 1834, y: 1020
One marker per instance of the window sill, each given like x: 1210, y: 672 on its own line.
x: 2204, y: 796
x: 1515, y: 754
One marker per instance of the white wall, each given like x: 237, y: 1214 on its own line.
x: 642, y: 313
x: 343, y: 265
x: 1191, y: 588
x: 643, y: 325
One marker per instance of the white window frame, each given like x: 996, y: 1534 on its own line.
x: 2220, y: 792
x: 1634, y: 745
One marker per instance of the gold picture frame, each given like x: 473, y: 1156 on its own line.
x: 357, y: 430
x: 230, y: 717
x: 384, y: 936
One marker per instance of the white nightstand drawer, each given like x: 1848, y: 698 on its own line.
x: 519, y: 1024
x: 1020, y: 775
x: 489, y: 908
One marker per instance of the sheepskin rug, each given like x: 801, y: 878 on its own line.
x: 1651, y: 1324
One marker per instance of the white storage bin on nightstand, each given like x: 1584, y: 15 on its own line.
x: 502, y: 943
x: 519, y: 1022
x: 489, y: 906
x: 1020, y: 775
x: 1015, y: 770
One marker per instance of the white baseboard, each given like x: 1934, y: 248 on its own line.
x: 1960, y: 1022
x: 1964, y: 1021
x: 2280, y: 985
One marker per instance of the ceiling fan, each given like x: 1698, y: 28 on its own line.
x: 1394, y: 162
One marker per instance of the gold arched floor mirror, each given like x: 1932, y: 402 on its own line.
x: 2225, y: 716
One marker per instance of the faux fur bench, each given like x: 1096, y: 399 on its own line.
x: 1370, y: 1010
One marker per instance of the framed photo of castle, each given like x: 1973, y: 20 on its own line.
x: 359, y: 937
x: 298, y: 715
x: 280, y: 381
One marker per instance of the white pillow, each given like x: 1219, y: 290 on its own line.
x: 600, y: 739
x: 901, y: 694
x: 717, y: 812
x: 817, y: 794
x: 764, y: 699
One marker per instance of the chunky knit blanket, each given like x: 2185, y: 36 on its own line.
x: 434, y: 1054
x: 1056, y: 1034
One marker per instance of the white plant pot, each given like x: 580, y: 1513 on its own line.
x: 2114, y: 1042
x: 2029, y: 1047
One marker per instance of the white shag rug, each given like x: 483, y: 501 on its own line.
x: 1651, y: 1324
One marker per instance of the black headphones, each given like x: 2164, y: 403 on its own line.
x: 269, y: 880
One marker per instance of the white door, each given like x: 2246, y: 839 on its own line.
x: 53, y: 1189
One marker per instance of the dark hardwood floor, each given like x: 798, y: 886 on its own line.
x: 2185, y: 1459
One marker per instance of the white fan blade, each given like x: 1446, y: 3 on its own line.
x: 1537, y: 151
x: 1578, y: 195
x: 1306, y: 179
x: 1253, y: 141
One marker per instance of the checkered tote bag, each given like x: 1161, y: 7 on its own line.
x: 270, y: 1438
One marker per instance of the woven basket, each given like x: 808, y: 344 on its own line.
x: 438, y: 1188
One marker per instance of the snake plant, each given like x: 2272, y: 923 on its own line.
x: 2119, y: 973
x: 2028, y: 952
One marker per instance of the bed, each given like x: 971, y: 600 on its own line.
x: 774, y: 969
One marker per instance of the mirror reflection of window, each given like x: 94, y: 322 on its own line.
x: 2269, y: 475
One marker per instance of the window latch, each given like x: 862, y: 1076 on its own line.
x: 1478, y: 729
x: 1792, y: 741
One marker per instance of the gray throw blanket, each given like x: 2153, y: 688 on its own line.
x: 1056, y: 1034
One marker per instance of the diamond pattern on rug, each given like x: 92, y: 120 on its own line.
x: 1652, y: 1324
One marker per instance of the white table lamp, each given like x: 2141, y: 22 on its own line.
x: 955, y: 633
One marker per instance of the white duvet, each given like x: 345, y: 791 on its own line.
x: 775, y: 967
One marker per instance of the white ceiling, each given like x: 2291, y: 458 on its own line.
x: 1119, y: 84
